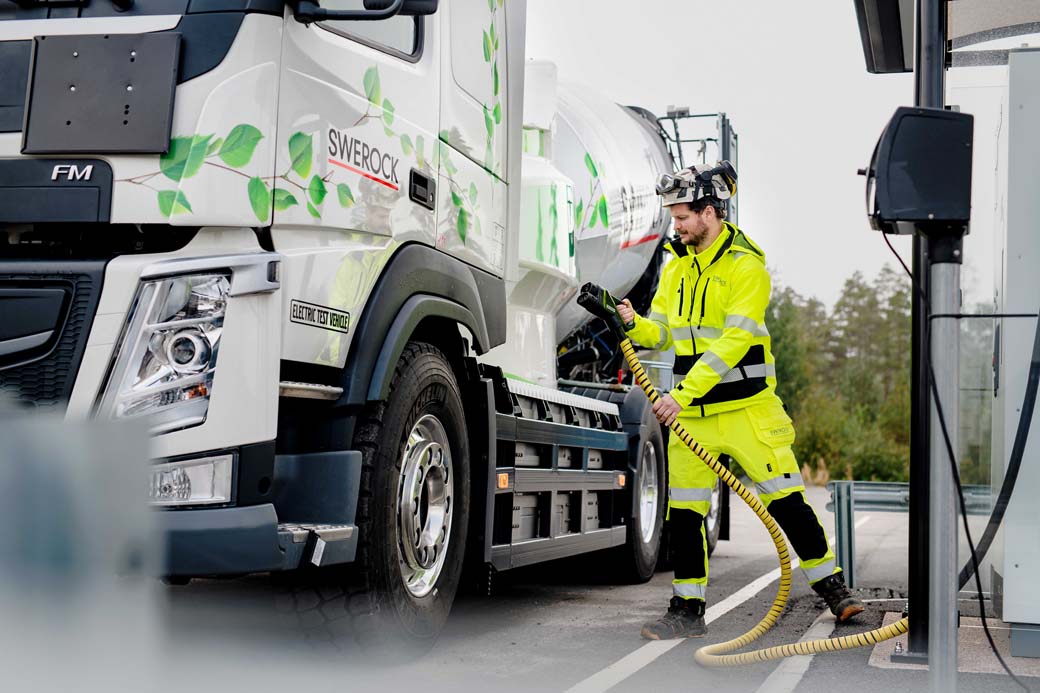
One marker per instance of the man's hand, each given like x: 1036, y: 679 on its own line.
x: 666, y: 409
x: 626, y: 312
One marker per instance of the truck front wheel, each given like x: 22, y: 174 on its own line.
x: 414, y: 503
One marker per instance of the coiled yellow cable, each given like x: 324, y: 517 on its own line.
x: 714, y: 655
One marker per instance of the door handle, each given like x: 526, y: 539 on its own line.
x: 422, y: 189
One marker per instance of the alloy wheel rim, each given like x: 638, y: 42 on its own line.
x: 424, y: 505
x: 648, y: 492
x: 713, y: 512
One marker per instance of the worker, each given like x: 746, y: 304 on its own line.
x: 710, y: 306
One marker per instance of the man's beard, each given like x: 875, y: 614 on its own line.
x: 697, y: 237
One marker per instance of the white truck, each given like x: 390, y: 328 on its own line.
x: 327, y: 255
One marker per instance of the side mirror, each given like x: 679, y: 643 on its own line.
x: 921, y: 171
x: 308, y: 11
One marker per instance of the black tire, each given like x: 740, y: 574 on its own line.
x: 423, y: 385
x: 373, y: 604
x: 636, y: 561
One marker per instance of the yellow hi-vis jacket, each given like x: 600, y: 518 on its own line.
x: 711, y: 307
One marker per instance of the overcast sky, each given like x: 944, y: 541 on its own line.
x: 791, y: 77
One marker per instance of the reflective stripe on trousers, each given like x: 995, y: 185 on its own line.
x: 689, y: 590
x: 689, y: 494
x: 817, y: 573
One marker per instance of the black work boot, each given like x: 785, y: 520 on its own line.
x: 841, y: 602
x: 684, y: 619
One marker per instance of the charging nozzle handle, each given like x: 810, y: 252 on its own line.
x: 600, y: 303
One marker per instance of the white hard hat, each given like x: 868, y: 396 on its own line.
x: 696, y: 182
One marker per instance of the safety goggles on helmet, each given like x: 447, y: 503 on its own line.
x: 669, y: 182
x: 718, y: 183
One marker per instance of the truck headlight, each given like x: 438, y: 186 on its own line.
x: 162, y: 371
x: 192, y: 482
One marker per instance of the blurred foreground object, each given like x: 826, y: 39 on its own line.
x: 78, y: 546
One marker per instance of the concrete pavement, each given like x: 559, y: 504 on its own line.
x: 559, y: 626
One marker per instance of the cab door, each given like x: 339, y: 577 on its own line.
x: 358, y: 121
x: 473, y: 136
x: 359, y: 109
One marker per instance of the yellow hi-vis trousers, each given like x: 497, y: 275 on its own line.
x: 759, y: 439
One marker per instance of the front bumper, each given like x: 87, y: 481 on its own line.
x: 221, y: 541
x: 310, y: 521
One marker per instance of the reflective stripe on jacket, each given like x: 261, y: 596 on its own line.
x: 711, y: 308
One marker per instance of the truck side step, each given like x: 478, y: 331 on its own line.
x: 559, y: 397
x: 550, y: 548
x: 316, y: 544
x: 309, y: 391
x: 551, y: 433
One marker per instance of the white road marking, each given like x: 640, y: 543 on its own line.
x: 786, y: 677
x: 629, y: 664
x: 620, y: 670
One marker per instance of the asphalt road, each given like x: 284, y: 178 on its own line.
x: 560, y: 626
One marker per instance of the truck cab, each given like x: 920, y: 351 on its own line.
x: 284, y: 237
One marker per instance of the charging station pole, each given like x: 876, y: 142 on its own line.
x: 937, y: 264
x: 929, y: 88
x: 945, y: 255
x: 920, y: 180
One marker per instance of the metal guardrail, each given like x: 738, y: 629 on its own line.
x: 880, y: 496
x: 843, y: 506
x: 894, y: 497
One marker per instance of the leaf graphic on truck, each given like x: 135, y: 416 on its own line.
x: 316, y: 190
x: 313, y: 189
x: 588, y: 215
x: 259, y: 198
x: 493, y: 111
x: 374, y: 94
x: 465, y: 201
x: 189, y: 154
x: 283, y: 199
x: 297, y: 185
x: 185, y: 158
x: 301, y: 153
x: 173, y: 202
x: 238, y: 147
x: 372, y: 87
x: 345, y: 196
x: 348, y: 152
x: 552, y: 211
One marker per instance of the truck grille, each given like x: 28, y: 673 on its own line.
x: 43, y: 376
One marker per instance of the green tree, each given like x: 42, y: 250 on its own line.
x: 789, y: 340
x: 845, y: 375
